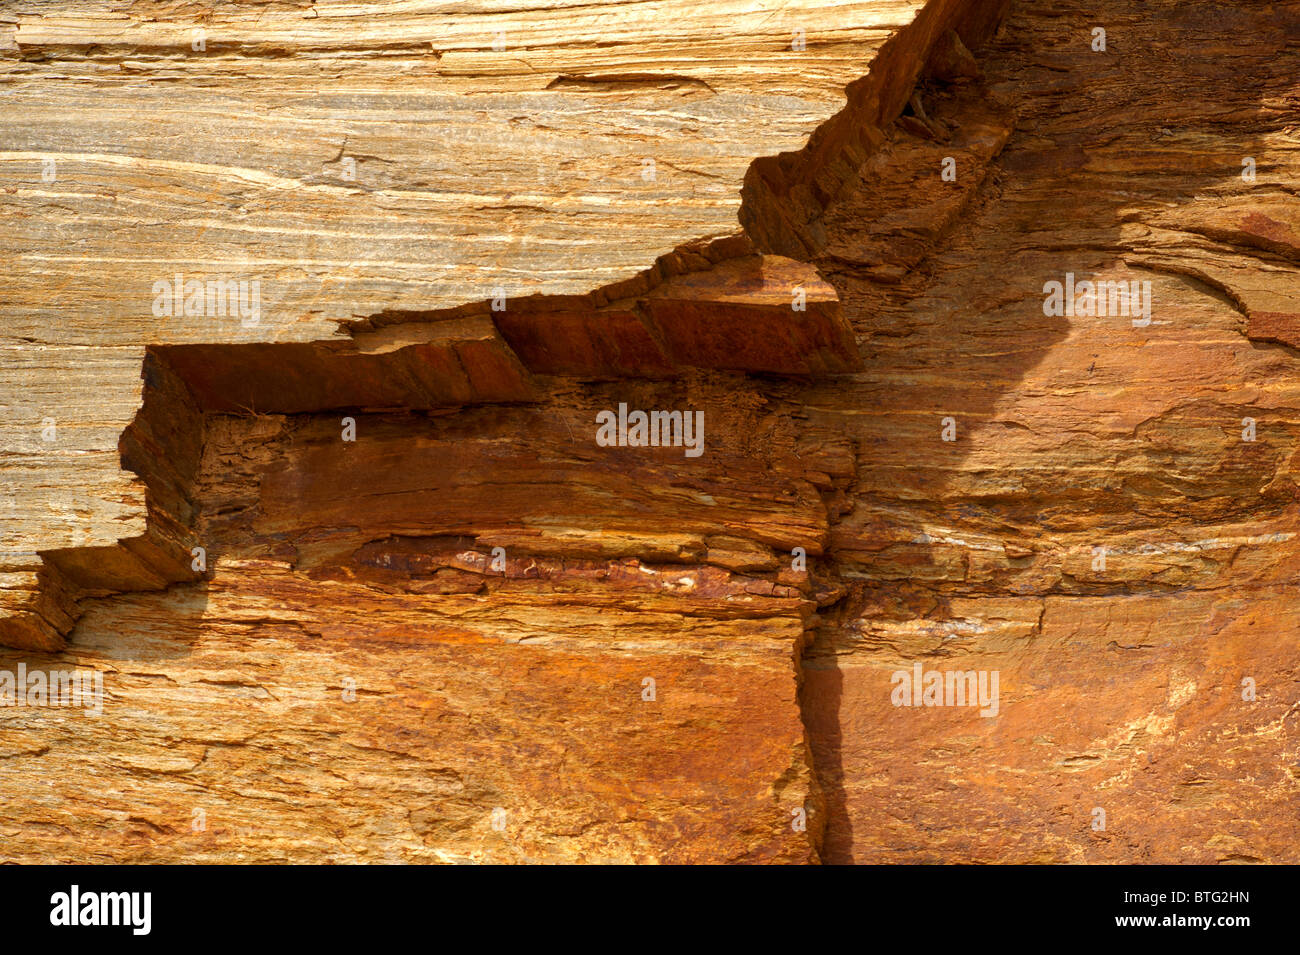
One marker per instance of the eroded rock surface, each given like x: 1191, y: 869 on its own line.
x: 436, y: 620
x: 1121, y: 678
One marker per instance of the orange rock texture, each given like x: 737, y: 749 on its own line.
x: 969, y: 339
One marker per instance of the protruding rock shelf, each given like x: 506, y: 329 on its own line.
x: 365, y: 583
x: 585, y: 178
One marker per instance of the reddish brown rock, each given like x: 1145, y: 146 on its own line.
x: 1113, y: 528
x: 457, y: 627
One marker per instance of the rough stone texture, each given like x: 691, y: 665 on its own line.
x: 323, y: 152
x: 514, y: 680
x: 1121, y: 688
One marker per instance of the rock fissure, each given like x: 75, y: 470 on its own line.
x: 922, y: 465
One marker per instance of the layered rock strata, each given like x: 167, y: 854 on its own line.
x: 435, y: 620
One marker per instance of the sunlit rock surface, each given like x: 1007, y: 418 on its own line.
x: 362, y: 583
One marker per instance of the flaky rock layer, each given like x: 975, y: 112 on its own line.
x: 371, y: 586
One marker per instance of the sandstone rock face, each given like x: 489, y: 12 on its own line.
x: 363, y: 579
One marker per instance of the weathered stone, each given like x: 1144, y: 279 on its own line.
x: 436, y: 620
